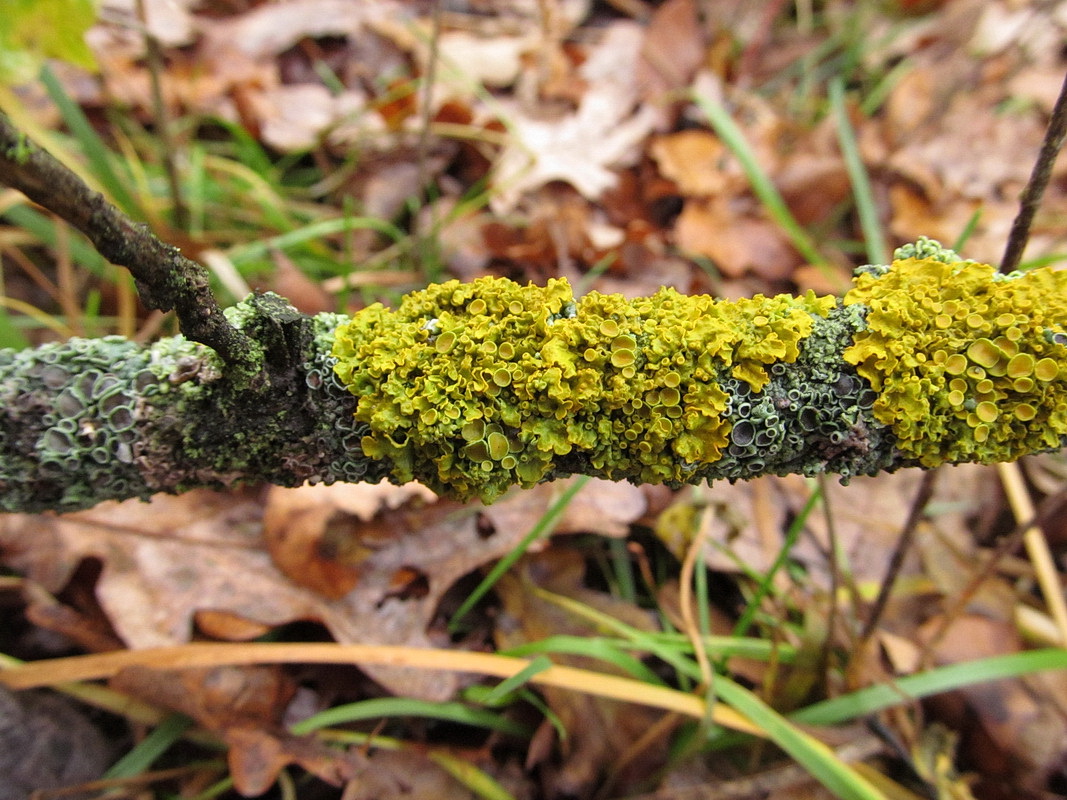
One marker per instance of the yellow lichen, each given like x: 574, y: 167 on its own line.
x: 997, y: 391
x: 476, y: 387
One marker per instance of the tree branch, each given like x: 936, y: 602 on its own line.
x: 1030, y: 199
x: 165, y: 278
x: 474, y: 388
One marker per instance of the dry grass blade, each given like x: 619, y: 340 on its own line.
x: 1036, y: 546
x: 103, y: 665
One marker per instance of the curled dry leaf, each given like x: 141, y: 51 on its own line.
x: 256, y: 756
x: 319, y: 536
x: 581, y: 148
x: 216, y: 697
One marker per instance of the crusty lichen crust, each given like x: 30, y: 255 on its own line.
x: 473, y: 388
x: 968, y: 364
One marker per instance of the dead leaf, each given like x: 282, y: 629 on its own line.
x: 165, y: 561
x: 951, y: 156
x: 742, y: 521
x: 813, y: 185
x: 256, y: 755
x: 404, y: 775
x: 582, y: 147
x: 458, y: 234
x: 491, y: 61
x: 169, y: 21
x: 1013, y: 730
x: 267, y: 30
x: 306, y: 295
x: 217, y: 697
x: 228, y: 627
x: 313, y: 533
x: 698, y: 162
x: 673, y: 48
x: 869, y: 513
x: 736, y: 241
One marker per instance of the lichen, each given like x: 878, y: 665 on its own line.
x: 926, y: 248
x: 77, y: 410
x: 968, y: 364
x: 334, y: 442
x: 476, y: 387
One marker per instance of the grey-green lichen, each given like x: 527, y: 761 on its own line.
x: 336, y: 435
x: 94, y: 419
x: 77, y: 409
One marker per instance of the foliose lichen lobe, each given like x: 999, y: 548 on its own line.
x: 476, y: 387
x: 69, y: 414
x: 968, y: 363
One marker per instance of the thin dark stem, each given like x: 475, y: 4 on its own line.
x: 1035, y: 187
x: 425, y: 246
x: 907, y: 536
x: 164, y: 129
x: 834, y: 564
x: 165, y: 278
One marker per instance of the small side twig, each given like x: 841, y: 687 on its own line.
x: 165, y: 278
x: 1035, y: 187
x: 907, y: 536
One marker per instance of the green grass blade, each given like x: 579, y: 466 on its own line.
x: 478, y: 781
x: 542, y: 528
x: 625, y: 584
x: 10, y: 335
x: 767, y: 583
x: 761, y: 182
x: 409, y: 707
x: 818, y: 759
x: 247, y: 150
x: 670, y: 651
x: 968, y: 230
x: 943, y: 679
x: 607, y: 650
x: 508, y: 686
x: 875, y: 97
x: 866, y: 207
x: 99, y: 157
x: 328, y: 227
x: 151, y: 747
x: 1042, y: 261
x: 44, y: 228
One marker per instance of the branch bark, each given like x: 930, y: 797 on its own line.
x: 929, y: 361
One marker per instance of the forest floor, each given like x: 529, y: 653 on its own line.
x: 342, y: 153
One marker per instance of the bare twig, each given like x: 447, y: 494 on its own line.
x: 1035, y: 187
x: 907, y: 535
x: 165, y: 278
